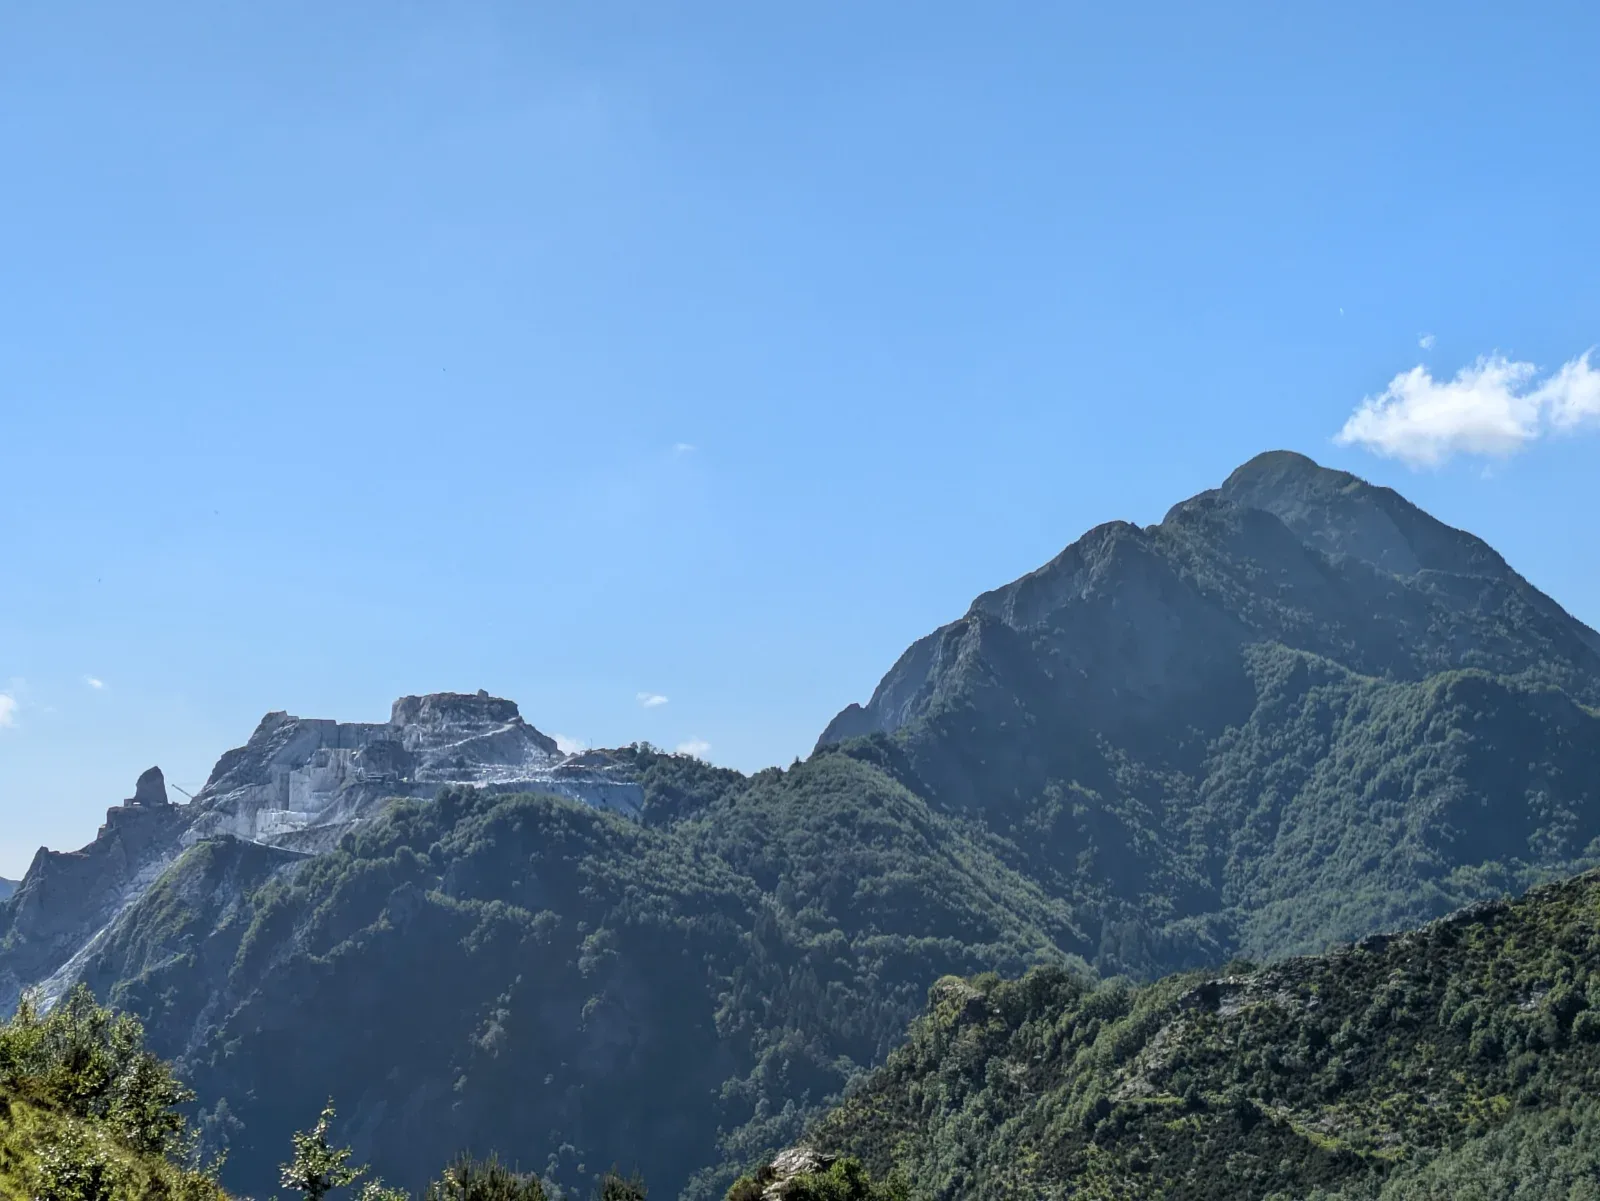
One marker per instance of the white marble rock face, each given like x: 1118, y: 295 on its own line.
x: 298, y: 775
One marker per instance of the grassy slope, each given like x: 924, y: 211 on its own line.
x: 33, y: 1137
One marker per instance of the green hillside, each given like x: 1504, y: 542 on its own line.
x: 1458, y: 1061
x: 86, y: 1114
x: 564, y: 986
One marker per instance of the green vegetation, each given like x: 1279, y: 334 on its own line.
x: 1461, y: 1060
x: 1332, y: 805
x: 843, y: 1180
x: 318, y: 1167
x: 87, y: 1114
x: 469, y: 1179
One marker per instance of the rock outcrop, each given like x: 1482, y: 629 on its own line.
x: 788, y: 1170
x: 151, y: 789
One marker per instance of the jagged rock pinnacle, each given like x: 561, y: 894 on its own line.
x: 150, y: 790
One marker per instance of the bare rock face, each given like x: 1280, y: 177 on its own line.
x: 301, y: 781
x: 777, y: 1180
x: 151, y: 789
x: 67, y: 897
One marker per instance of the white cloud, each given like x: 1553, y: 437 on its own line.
x: 94, y: 683
x: 698, y: 747
x: 651, y: 700
x: 1492, y: 408
x: 682, y: 448
x: 569, y: 746
x: 1574, y: 394
x: 8, y: 710
x: 1426, y: 341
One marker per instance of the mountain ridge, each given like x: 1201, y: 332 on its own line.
x: 1226, y: 733
x: 1374, y: 526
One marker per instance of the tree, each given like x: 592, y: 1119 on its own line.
x: 470, y: 1179
x: 90, y: 1062
x: 614, y: 1186
x: 318, y: 1167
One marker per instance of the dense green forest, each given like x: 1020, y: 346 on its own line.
x: 1458, y: 1061
x: 1295, y: 712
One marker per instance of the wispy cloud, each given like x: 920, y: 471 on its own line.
x: 651, y: 700
x: 569, y: 746
x: 1426, y: 341
x: 698, y: 747
x: 1492, y: 408
x: 97, y: 684
x: 683, y: 448
x: 8, y: 710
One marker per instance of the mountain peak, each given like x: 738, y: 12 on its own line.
x: 1286, y: 470
x: 436, y: 708
x: 1342, y: 514
x: 1126, y: 620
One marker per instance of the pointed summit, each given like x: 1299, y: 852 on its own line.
x: 1342, y: 514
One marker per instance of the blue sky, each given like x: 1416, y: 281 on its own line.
x: 585, y: 353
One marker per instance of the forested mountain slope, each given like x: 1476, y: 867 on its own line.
x: 1460, y: 1061
x: 1296, y: 710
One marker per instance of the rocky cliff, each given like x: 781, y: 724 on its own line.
x: 298, y: 784
x: 300, y: 781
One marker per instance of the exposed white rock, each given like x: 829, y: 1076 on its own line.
x: 296, y: 774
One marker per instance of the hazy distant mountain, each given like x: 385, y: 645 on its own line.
x: 1295, y: 711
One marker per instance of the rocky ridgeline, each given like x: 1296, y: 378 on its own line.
x: 298, y: 784
x: 299, y: 781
